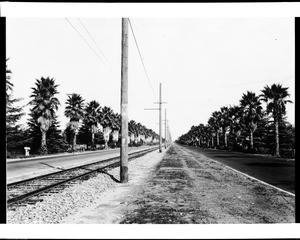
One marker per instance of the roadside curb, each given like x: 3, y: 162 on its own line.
x: 56, y: 155
x: 260, y: 181
x: 250, y: 177
x: 49, y: 156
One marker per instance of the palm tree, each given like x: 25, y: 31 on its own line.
x: 252, y: 112
x: 75, y: 111
x: 236, y: 123
x: 213, y: 121
x: 209, y: 133
x: 199, y: 134
x: 138, y: 132
x: 92, y: 112
x: 131, y: 131
x: 116, y: 127
x: 148, y: 136
x: 44, y: 105
x: 143, y: 134
x: 224, y: 122
x: 275, y: 97
x: 107, y: 120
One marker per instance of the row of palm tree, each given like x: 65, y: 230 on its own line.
x: 92, y: 115
x: 138, y: 132
x: 243, y: 120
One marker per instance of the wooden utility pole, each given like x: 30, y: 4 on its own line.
x: 165, y: 128
x: 124, y: 104
x: 160, y: 123
x: 169, y: 134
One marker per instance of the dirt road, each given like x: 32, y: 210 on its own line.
x: 187, y: 187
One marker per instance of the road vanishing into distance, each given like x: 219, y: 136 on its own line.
x: 26, y: 168
x: 278, y: 172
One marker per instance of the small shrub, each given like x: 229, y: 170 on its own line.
x: 287, y: 153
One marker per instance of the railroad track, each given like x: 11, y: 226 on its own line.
x: 32, y: 190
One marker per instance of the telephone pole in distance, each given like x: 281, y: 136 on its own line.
x: 160, y: 122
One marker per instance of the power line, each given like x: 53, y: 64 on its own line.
x: 110, y: 66
x: 88, y: 45
x: 140, y: 56
x: 288, y: 78
x: 84, y: 40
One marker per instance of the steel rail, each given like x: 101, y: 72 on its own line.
x: 28, y: 195
x: 73, y: 168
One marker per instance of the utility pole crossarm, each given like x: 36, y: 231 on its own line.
x: 160, y: 120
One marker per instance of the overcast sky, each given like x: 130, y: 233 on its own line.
x: 202, y: 63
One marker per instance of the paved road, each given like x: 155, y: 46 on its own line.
x: 19, y: 170
x: 275, y: 171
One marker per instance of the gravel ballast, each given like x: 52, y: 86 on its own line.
x: 74, y: 198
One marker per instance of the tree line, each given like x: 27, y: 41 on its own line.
x: 90, y: 124
x: 248, y: 127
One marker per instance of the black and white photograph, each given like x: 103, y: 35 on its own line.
x: 144, y: 117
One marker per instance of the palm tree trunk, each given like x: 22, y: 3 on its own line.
x: 218, y: 141
x: 276, y: 137
x: 74, y: 142
x: 212, y: 140
x: 225, y: 139
x: 93, y: 139
x: 44, y: 143
x: 251, y: 139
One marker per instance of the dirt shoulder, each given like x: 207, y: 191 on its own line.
x: 180, y: 187
x: 111, y: 205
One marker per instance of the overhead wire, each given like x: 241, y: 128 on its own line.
x: 84, y: 26
x: 106, y: 61
x: 85, y: 40
x: 89, y: 45
x: 141, y: 57
x: 288, y: 78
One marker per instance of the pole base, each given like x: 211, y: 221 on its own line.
x: 123, y: 174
